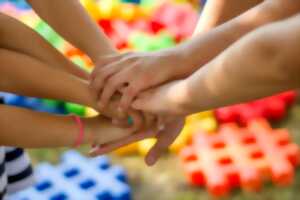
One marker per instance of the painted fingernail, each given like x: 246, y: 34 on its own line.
x: 130, y: 121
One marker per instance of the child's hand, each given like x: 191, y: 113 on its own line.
x: 171, y: 99
x: 100, y: 130
x: 165, y: 137
x: 134, y: 72
x: 138, y: 119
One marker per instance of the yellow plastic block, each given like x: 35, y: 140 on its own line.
x: 145, y: 145
x: 127, y: 150
x: 204, y: 121
x: 128, y: 12
x: 109, y: 9
x: 92, y: 7
x: 90, y: 112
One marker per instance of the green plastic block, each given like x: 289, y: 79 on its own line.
x: 75, y: 109
x: 49, y: 34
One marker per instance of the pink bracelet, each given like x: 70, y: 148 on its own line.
x: 80, y: 137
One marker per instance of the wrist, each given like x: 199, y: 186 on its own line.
x: 100, y: 58
x: 185, y: 60
x: 182, y: 98
x: 89, y: 135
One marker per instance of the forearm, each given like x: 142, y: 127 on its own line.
x: 35, y: 130
x: 24, y: 75
x: 70, y: 19
x: 218, y: 12
x: 263, y: 63
x: 12, y: 37
x: 201, y: 49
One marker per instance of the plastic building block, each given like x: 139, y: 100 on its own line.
x: 20, y: 4
x: 273, y: 108
x: 204, y: 121
x: 240, y: 157
x: 49, y: 34
x: 75, y: 109
x: 32, y: 103
x: 78, y: 178
x: 179, y: 19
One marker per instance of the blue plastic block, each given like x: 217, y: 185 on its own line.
x: 31, y: 103
x: 20, y: 4
x: 78, y: 178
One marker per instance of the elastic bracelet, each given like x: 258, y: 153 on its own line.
x: 80, y: 137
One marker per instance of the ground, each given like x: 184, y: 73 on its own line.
x: 166, y: 180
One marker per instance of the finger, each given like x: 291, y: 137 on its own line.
x: 130, y: 93
x: 142, y: 102
x: 164, y: 139
x: 120, y: 123
x: 104, y: 62
x: 137, y: 119
x: 112, y: 86
x: 102, y: 75
x: 109, y: 147
x: 149, y: 120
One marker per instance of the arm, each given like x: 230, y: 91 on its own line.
x: 204, y: 47
x: 12, y: 37
x: 70, y: 19
x: 218, y: 12
x: 41, y: 130
x: 27, y: 76
x: 145, y: 70
x: 262, y: 63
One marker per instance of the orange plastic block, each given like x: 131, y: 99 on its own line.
x: 240, y: 157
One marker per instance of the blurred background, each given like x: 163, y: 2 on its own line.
x: 259, y: 161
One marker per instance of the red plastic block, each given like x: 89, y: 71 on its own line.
x: 180, y: 20
x: 240, y: 157
x: 273, y: 108
x: 118, y: 31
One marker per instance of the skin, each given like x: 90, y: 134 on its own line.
x: 63, y: 131
x: 60, y: 15
x: 182, y: 61
x: 214, y: 12
x: 276, y: 61
x: 15, y: 78
x: 12, y: 38
x: 140, y: 71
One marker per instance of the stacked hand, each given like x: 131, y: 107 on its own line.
x: 158, y: 111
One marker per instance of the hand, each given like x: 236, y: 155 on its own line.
x: 100, y: 130
x: 171, y: 99
x: 165, y: 138
x: 138, y: 120
x: 135, y: 72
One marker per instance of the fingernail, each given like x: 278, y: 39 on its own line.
x: 130, y: 121
x: 150, y: 161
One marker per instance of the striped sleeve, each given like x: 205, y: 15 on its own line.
x: 18, y: 169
